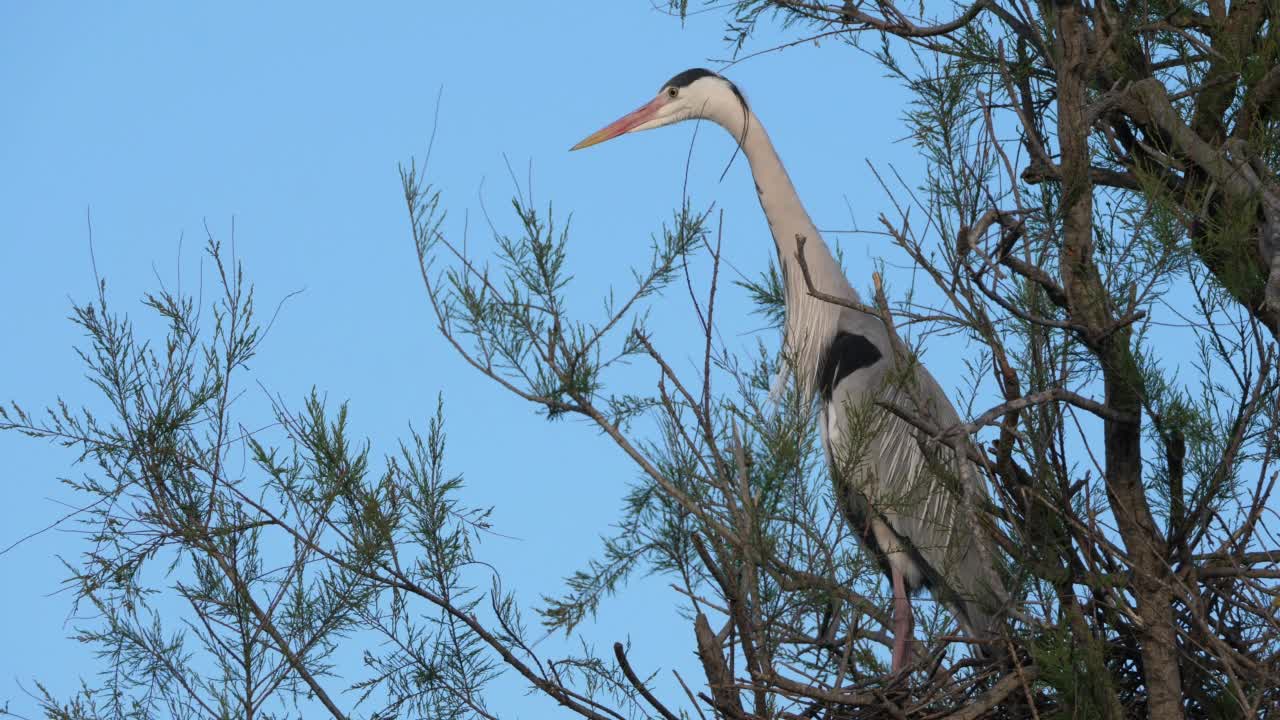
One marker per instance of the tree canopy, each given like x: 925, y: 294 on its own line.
x: 1102, y: 203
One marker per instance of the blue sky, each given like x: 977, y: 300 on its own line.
x: 288, y: 120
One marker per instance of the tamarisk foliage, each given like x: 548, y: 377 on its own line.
x: 1099, y: 224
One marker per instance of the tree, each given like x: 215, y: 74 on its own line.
x: 1103, y: 188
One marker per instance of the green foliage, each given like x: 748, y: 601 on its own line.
x: 217, y: 592
x: 198, y: 607
x: 767, y: 295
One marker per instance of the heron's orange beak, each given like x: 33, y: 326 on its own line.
x: 624, y: 124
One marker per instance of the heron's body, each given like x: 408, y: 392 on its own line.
x: 915, y: 513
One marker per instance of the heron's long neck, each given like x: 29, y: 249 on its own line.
x: 811, y: 323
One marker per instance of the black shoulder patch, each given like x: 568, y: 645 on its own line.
x: 846, y: 353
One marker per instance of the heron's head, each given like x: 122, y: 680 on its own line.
x: 692, y: 94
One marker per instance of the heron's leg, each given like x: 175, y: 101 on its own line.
x: 902, y: 620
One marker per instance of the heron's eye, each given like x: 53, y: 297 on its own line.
x: 672, y: 92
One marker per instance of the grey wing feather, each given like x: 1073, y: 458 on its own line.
x: 929, y: 500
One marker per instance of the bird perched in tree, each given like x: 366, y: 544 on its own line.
x: 912, y: 501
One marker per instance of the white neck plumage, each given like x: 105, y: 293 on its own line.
x: 811, y: 323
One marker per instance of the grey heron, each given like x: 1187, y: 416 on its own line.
x: 916, y: 512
